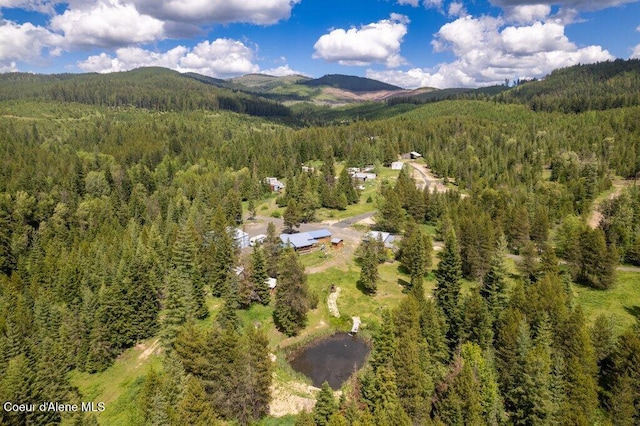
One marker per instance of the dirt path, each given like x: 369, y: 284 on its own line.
x: 427, y: 178
x: 595, y: 217
x: 332, y: 303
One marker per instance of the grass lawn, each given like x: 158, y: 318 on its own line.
x: 370, y: 191
x: 316, y: 258
x: 118, y: 386
x: 622, y: 301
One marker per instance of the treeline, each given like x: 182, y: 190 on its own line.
x: 523, y: 219
x: 154, y: 89
x: 601, y: 86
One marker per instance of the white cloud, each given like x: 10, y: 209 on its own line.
x: 456, y: 9
x: 44, y: 6
x: 636, y: 52
x: 488, y: 52
x: 107, y: 23
x: 413, y: 3
x: 27, y: 42
x: 378, y: 42
x: 433, y: 4
x: 219, y: 58
x: 263, y: 12
x: 8, y: 67
x: 528, y: 13
x: 538, y: 37
x: 282, y: 71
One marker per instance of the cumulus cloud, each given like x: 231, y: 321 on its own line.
x: 488, y: 52
x: 456, y: 9
x: 636, y: 52
x: 264, y: 12
x: 107, y: 23
x: 413, y: 3
x: 27, y: 43
x: 281, y: 71
x: 378, y: 42
x: 527, y: 13
x: 219, y: 58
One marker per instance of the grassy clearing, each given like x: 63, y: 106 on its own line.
x: 622, y: 301
x: 118, y: 386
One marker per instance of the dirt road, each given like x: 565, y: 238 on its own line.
x: 427, y: 178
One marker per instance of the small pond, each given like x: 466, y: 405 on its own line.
x: 333, y: 359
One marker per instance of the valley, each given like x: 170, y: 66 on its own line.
x: 500, y: 284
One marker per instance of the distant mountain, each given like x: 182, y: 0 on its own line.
x: 425, y: 95
x: 351, y: 83
x: 151, y: 88
x: 599, y: 86
x: 267, y: 82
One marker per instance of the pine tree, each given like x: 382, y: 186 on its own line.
x: 194, y: 407
x: 477, y: 322
x: 493, y: 289
x: 292, y: 216
x: 384, y: 342
x: 369, y: 269
x: 415, y: 253
x: 222, y: 254
x: 305, y: 418
x: 447, y: 291
x: 232, y: 207
x: 390, y: 214
x: 596, y: 267
x: 272, y: 247
x: 414, y: 386
x: 183, y: 262
x: 325, y: 405
x: 292, y: 295
x: 175, y: 306
x: 259, y: 275
x: 345, y: 186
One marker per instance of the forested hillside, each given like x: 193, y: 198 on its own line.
x: 156, y: 89
x: 118, y: 193
x: 580, y: 88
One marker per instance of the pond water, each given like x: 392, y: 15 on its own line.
x: 333, y: 359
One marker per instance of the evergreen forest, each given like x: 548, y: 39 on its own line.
x: 120, y: 193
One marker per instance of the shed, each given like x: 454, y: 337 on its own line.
x: 272, y: 282
x: 337, y: 243
x: 321, y: 235
x: 415, y: 155
x: 397, y: 165
x: 363, y: 177
x: 386, y: 237
x: 240, y: 238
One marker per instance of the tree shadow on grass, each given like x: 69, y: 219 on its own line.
x: 406, y: 285
x: 633, y: 310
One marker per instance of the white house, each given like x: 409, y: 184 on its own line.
x: 397, y: 165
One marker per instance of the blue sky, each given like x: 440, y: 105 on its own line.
x: 411, y: 43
